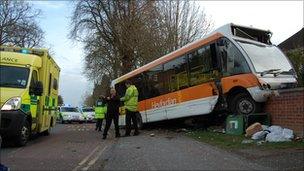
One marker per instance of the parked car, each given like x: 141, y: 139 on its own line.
x: 88, y: 113
x: 71, y: 114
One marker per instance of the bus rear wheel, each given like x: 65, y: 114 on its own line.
x: 243, y: 104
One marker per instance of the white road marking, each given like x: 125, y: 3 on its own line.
x: 86, y: 158
x: 93, y: 161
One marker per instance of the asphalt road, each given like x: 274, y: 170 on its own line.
x: 80, y: 147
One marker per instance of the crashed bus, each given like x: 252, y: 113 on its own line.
x: 235, y: 67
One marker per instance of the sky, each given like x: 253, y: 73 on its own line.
x: 283, y: 18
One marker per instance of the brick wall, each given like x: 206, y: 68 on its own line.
x: 287, y: 110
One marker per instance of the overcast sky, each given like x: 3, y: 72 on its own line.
x: 283, y: 18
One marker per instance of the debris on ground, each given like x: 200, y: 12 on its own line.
x: 260, y: 135
x: 217, y: 129
x: 261, y: 142
x: 252, y: 129
x: 247, y: 141
x: 279, y: 134
x: 270, y: 134
x: 182, y: 130
x: 152, y: 135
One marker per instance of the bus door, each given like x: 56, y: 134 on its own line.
x: 202, y: 95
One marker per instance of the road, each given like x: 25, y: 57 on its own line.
x: 80, y: 147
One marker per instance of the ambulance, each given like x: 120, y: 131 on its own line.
x: 28, y: 93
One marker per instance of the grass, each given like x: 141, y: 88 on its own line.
x: 235, y: 141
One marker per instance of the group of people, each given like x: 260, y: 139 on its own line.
x: 108, y: 108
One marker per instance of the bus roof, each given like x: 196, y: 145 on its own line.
x: 229, y: 30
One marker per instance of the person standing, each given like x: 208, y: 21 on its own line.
x: 112, y: 102
x: 100, y: 111
x: 130, y: 102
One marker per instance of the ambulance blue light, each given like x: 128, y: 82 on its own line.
x: 25, y: 51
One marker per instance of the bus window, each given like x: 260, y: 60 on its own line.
x: 155, y: 81
x: 120, y: 89
x: 200, y: 64
x: 139, y: 82
x: 176, y: 74
x: 233, y: 62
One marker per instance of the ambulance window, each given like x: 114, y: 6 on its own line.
x: 50, y: 83
x: 34, y: 77
x: 55, y: 84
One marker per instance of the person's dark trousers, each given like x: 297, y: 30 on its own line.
x: 98, y: 124
x: 131, y: 116
x: 109, y: 119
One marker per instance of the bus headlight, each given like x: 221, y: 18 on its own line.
x: 12, y: 104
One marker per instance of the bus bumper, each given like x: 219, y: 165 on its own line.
x: 11, y: 122
x: 260, y: 95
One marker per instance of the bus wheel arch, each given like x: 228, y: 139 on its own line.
x: 241, y: 102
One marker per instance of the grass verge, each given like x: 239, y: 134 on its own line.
x: 235, y: 141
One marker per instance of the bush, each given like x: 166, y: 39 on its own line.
x: 296, y: 56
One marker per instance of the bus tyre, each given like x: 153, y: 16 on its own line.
x: 23, y: 134
x: 139, y: 121
x: 243, y: 104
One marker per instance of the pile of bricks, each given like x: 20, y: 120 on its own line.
x: 287, y: 110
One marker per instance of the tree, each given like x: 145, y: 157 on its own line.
x: 60, y: 100
x: 18, y: 25
x: 120, y: 36
x: 297, y: 58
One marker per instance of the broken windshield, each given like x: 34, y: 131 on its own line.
x: 266, y: 57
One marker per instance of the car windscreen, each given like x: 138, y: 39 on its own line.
x: 88, y: 110
x: 69, y: 109
x: 15, y: 77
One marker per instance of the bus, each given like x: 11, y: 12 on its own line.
x: 235, y: 68
x: 29, y: 80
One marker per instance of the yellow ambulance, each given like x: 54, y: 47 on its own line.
x: 28, y: 92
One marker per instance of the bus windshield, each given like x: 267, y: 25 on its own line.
x: 15, y: 77
x: 266, y: 58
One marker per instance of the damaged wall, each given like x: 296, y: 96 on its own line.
x: 287, y: 110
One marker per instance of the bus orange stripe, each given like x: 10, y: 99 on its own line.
x: 192, y: 93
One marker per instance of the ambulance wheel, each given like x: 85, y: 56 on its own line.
x: 243, y: 104
x: 23, y: 133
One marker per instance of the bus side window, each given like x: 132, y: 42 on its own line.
x: 200, y: 63
x: 176, y: 74
x: 233, y: 62
x: 139, y: 82
x: 155, y: 81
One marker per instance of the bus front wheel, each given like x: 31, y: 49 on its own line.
x: 243, y: 104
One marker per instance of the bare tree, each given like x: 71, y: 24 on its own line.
x: 18, y: 26
x: 120, y: 36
